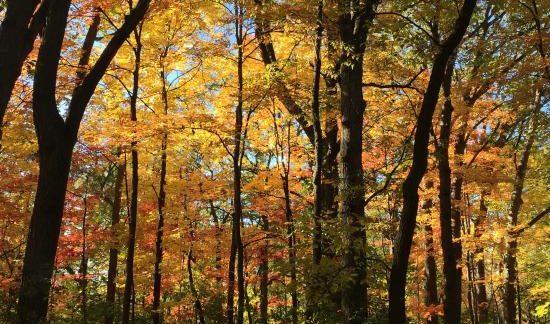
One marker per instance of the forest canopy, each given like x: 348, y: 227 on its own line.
x: 262, y: 161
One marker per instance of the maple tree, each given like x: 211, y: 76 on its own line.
x: 353, y: 161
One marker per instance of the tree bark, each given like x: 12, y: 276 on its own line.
x: 291, y: 242
x: 132, y: 217
x: 18, y: 32
x: 317, y: 244
x: 84, y: 263
x: 56, y: 139
x: 510, y: 261
x: 451, y: 267
x: 237, y: 249
x: 161, y: 200
x: 353, y: 23
x: 418, y: 169
x: 113, y: 250
x: 430, y: 298
x: 481, y: 290
x: 264, y: 274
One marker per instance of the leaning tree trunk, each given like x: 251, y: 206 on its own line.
x: 407, y: 224
x: 18, y: 32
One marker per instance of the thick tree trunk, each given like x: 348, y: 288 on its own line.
x: 510, y: 261
x: 451, y: 269
x: 407, y: 225
x: 17, y: 34
x: 132, y: 217
x: 113, y: 250
x: 44, y: 228
x: 353, y: 23
x: 56, y: 140
x: 54, y: 154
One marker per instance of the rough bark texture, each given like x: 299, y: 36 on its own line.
x: 354, y: 21
x: 56, y: 140
x: 407, y: 225
x: 451, y: 268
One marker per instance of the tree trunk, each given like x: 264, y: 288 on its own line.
x: 481, y: 290
x: 84, y: 263
x: 510, y: 292
x: 291, y: 243
x: 418, y: 169
x: 351, y: 185
x: 451, y: 268
x: 264, y: 274
x: 190, y: 259
x: 161, y: 201
x: 430, y: 298
x: 18, y: 31
x: 56, y: 140
x: 113, y: 250
x: 236, y: 243
x: 132, y: 217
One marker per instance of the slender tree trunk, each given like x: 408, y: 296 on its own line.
x: 113, y: 250
x: 161, y: 202
x: 312, y: 309
x: 430, y: 298
x: 132, y: 218
x: 190, y: 259
x: 291, y: 243
x: 481, y: 290
x: 418, y: 169
x: 84, y: 263
x: 451, y: 269
x: 236, y: 243
x: 510, y: 291
x: 264, y: 274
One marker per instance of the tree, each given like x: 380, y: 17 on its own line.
x: 419, y: 166
x: 56, y: 138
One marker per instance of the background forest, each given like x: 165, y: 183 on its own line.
x: 262, y: 161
